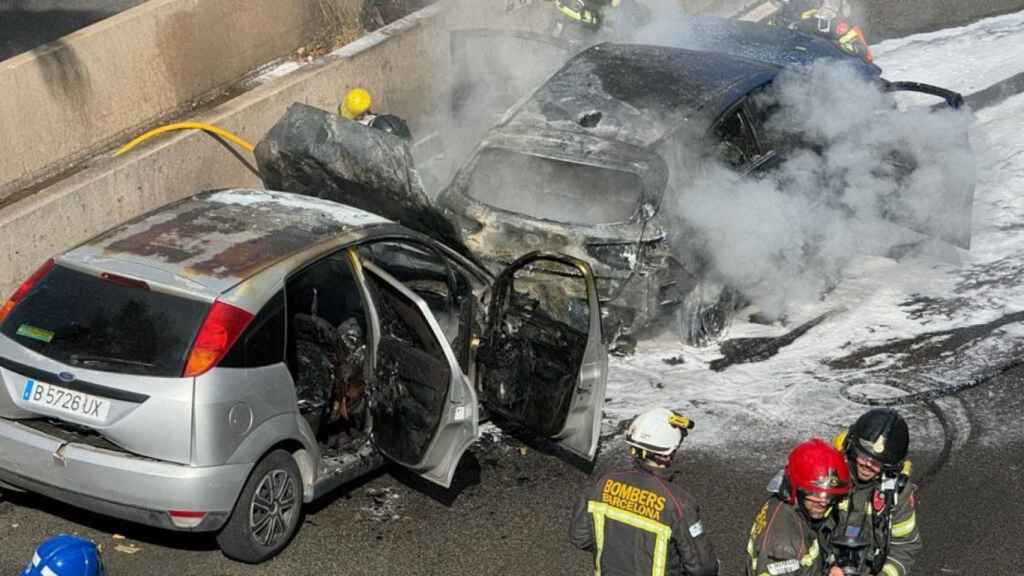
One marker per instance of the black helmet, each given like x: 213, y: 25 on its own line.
x: 392, y: 125
x: 882, y: 434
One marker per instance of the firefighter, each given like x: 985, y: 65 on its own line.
x: 357, y: 107
x: 589, y: 13
x: 880, y: 510
x: 789, y: 530
x: 826, y: 18
x: 591, y: 21
x: 65, y: 555
x: 637, y: 521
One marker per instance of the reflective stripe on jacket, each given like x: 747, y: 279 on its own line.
x: 905, y: 543
x: 637, y: 522
x: 782, y: 542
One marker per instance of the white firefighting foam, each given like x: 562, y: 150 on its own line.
x: 794, y: 394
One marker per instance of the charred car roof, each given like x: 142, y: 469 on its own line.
x: 639, y: 93
x: 216, y: 239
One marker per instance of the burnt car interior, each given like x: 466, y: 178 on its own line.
x: 530, y: 355
x: 326, y: 350
x: 327, y: 345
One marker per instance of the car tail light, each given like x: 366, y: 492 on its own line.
x: 24, y: 289
x: 223, y: 325
x: 186, y: 518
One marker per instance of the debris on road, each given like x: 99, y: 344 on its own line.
x: 384, y: 504
x: 746, y: 350
x: 127, y: 548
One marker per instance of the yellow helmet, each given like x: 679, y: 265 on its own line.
x: 357, y: 102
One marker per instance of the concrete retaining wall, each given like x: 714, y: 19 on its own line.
x: 887, y: 19
x: 403, y: 65
x: 77, y: 95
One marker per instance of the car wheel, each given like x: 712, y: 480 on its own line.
x: 267, y: 513
x: 705, y: 313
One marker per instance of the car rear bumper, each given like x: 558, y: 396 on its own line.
x: 118, y: 484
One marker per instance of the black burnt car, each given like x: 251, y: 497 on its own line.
x: 582, y: 166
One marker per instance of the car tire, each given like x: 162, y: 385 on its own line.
x: 705, y: 313
x: 268, y: 511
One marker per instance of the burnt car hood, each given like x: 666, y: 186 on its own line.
x: 316, y: 153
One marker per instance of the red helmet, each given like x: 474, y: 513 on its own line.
x: 815, y: 467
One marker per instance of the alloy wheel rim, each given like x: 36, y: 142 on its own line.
x: 273, y: 507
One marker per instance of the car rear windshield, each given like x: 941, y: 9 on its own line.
x: 87, y: 321
x: 553, y: 189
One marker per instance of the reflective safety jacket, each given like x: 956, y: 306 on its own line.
x: 866, y: 506
x: 638, y: 523
x: 783, y: 542
x: 585, y: 11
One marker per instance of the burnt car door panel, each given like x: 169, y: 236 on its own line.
x: 541, y: 363
x: 423, y: 408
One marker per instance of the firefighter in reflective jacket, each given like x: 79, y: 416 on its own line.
x: 789, y: 530
x: 589, y: 13
x: 826, y: 18
x: 636, y: 521
x: 880, y: 510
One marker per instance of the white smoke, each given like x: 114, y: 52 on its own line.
x: 786, y: 237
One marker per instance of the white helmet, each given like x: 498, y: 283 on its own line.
x: 658, y: 431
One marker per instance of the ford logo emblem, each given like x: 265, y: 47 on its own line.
x: 66, y: 377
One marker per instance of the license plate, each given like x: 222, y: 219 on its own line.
x: 67, y: 401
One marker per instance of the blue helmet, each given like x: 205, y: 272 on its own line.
x: 65, y: 555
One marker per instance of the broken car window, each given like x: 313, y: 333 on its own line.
x: 736, y: 145
x: 552, y: 189
x: 425, y: 272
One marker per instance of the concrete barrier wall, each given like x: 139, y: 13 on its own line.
x: 887, y: 19
x: 79, y: 94
x: 404, y: 65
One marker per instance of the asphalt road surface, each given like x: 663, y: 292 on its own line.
x: 28, y: 24
x: 509, y: 511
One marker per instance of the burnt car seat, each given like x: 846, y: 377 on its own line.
x: 330, y: 363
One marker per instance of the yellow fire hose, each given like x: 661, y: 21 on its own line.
x: 186, y: 126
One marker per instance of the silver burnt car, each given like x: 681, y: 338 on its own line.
x: 221, y: 361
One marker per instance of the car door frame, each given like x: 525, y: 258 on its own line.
x: 458, y: 426
x: 580, y: 433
